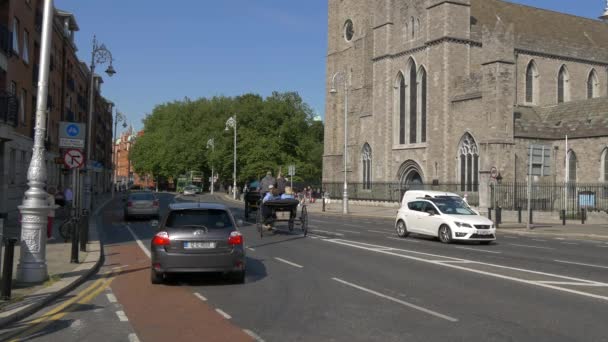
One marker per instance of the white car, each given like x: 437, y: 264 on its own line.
x: 443, y: 215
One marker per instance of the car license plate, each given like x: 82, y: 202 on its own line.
x: 199, y: 245
x: 484, y: 232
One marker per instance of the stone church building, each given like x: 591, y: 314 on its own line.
x: 455, y: 92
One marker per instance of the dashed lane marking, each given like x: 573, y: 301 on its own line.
x: 348, y: 231
x: 139, y: 243
x: 122, y: 316
x: 289, y: 262
x: 399, y: 301
x: 530, y: 246
x: 111, y: 297
x: 133, y: 337
x: 581, y: 264
x: 200, y: 296
x: 251, y: 249
x: 378, y: 231
x: 479, y: 250
x: 225, y: 315
x: 402, y: 239
x: 539, y: 240
x: 253, y: 335
x: 569, y: 243
x: 325, y: 231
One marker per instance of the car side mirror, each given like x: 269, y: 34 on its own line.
x: 154, y: 224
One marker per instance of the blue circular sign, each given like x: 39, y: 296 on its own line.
x: 72, y: 130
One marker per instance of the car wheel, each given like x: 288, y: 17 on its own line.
x: 445, y: 234
x: 238, y: 277
x: 402, y: 229
x: 485, y: 242
x: 155, y: 277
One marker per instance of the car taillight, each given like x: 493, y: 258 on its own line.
x: 235, y: 239
x: 129, y: 204
x: 161, y: 239
x: 156, y: 203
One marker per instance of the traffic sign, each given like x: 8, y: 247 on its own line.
x: 292, y: 170
x: 71, y: 135
x: 73, y: 159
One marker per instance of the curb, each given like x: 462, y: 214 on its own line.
x: 36, y: 306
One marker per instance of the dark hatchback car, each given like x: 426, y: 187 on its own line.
x: 196, y: 238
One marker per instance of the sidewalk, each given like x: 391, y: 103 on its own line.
x: 63, y: 276
x: 572, y: 229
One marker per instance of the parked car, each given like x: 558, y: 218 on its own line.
x: 190, y: 190
x: 141, y: 204
x: 198, y: 237
x: 443, y: 215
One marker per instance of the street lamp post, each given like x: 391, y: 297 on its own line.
x: 118, y: 118
x: 211, y: 143
x: 333, y: 90
x: 231, y: 123
x: 34, y: 211
x: 99, y: 55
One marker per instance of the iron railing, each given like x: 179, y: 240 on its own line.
x: 551, y: 197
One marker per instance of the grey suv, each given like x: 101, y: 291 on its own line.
x: 198, y: 237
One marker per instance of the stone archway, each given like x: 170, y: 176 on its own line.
x: 410, y: 176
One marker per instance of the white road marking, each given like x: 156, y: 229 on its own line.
x: 539, y: 240
x: 122, y: 316
x: 571, y: 283
x: 530, y: 246
x: 325, y: 231
x: 253, y: 335
x: 289, y: 263
x: 314, y: 236
x: 351, y: 225
x: 76, y: 324
x: 402, y: 239
x: 560, y: 239
x: 225, y: 315
x: 569, y: 243
x: 251, y: 249
x: 410, y: 305
x: 133, y: 337
x: 348, y: 231
x: 200, y: 296
x: 479, y: 250
x: 379, y: 231
x: 509, y: 237
x: 580, y: 263
x: 111, y: 297
x: 139, y: 243
x: 356, y: 244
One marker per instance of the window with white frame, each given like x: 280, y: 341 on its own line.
x: 26, y: 42
x: 16, y: 28
x: 468, y: 154
x: 593, y: 85
x: 366, y: 160
x: 563, y: 88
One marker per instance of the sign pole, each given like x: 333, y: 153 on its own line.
x: 529, y: 189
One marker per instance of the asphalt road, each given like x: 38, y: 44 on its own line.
x: 352, y: 279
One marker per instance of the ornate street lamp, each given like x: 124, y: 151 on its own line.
x: 231, y: 123
x: 120, y: 117
x: 342, y: 76
x: 34, y: 211
x: 211, y: 144
x: 99, y: 55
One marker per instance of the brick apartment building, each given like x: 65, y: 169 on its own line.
x: 453, y: 92
x: 125, y: 175
x: 20, y: 41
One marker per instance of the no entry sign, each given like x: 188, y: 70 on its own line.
x: 73, y: 158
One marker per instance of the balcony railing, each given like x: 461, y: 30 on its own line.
x: 9, y: 107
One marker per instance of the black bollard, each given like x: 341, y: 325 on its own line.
x: 84, y: 226
x: 583, y: 214
x: 74, y: 255
x: 7, y: 268
x: 519, y: 215
x: 499, y: 214
x: 324, y: 199
x: 531, y: 216
x: 563, y: 217
x: 489, y: 213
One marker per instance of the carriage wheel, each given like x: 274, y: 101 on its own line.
x: 247, y: 210
x: 258, y: 222
x: 304, y: 219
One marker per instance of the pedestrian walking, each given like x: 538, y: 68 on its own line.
x: 69, y: 196
x: 266, y: 182
x: 281, y: 183
x: 50, y: 202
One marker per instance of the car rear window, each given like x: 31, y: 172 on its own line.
x: 142, y: 197
x: 210, y: 218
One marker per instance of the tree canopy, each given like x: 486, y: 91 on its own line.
x: 272, y: 133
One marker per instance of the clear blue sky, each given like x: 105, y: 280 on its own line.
x: 165, y: 50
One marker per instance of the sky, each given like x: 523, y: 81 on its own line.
x: 168, y: 50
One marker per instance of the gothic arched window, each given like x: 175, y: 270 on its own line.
x: 422, y: 93
x: 531, y: 82
x: 468, y: 155
x: 592, y: 85
x: 572, y: 167
x: 604, y: 166
x: 413, y: 103
x: 563, y: 91
x: 402, y: 89
x: 366, y: 160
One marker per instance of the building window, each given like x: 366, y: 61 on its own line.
x: 412, y: 23
x: 402, y: 89
x: 22, y: 105
x: 572, y: 167
x: 531, y: 82
x: 604, y: 165
x: 413, y: 94
x: 563, y: 91
x: 26, y: 42
x: 349, y: 30
x: 16, y: 36
x: 469, y: 163
x: 366, y: 159
x: 592, y: 85
x: 422, y: 104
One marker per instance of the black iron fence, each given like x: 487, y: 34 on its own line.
x: 392, y: 192
x: 551, y: 197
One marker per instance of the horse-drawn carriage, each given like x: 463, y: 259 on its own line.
x: 281, y: 206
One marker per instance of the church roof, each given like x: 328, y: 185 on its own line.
x: 543, y: 30
x: 577, y: 119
